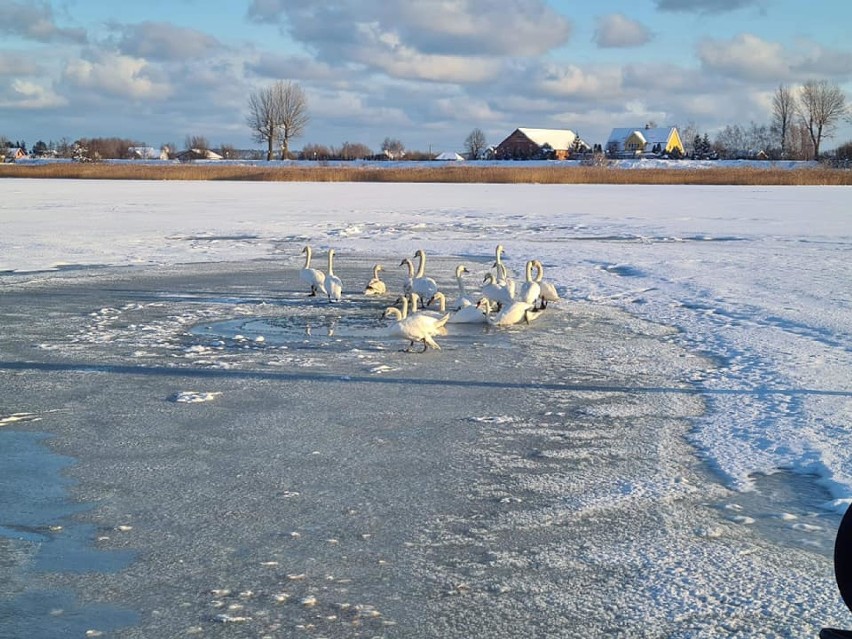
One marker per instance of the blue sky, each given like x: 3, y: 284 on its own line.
x: 426, y: 72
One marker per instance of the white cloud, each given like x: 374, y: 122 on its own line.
x: 746, y: 57
x: 453, y: 28
x: 386, y: 50
x: 164, y: 41
x: 572, y: 81
x: 17, y: 64
x: 116, y: 74
x: 34, y: 21
x: 617, y: 30
x: 24, y: 94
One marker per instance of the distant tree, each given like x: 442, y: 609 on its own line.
x: 783, y: 110
x: 475, y: 144
x: 316, y: 152
x: 278, y: 113
x: 844, y: 152
x: 196, y: 142
x: 612, y: 148
x: 64, y: 148
x: 354, y: 151
x: 104, y: 148
x: 39, y: 148
x: 687, y: 135
x: 393, y: 148
x: 228, y: 151
x: 819, y: 107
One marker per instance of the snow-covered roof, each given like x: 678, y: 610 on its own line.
x: 144, y: 152
x: 558, y: 139
x: 657, y: 135
x: 449, y: 155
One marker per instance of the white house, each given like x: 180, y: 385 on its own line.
x: 625, y: 141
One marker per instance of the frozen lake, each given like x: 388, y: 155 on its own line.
x: 190, y: 446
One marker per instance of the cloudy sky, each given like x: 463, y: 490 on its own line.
x: 426, y: 72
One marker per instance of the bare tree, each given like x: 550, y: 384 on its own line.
x: 820, y: 106
x: 393, y: 148
x: 783, y: 110
x: 475, y: 144
x: 198, y: 142
x: 278, y: 113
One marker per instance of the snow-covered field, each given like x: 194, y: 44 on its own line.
x: 709, y: 323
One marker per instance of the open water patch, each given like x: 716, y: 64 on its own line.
x: 38, y: 534
x: 786, y: 507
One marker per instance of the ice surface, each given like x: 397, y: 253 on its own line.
x: 552, y: 476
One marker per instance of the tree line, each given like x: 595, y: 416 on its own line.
x: 802, y: 118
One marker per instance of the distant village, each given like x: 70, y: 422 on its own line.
x: 644, y: 142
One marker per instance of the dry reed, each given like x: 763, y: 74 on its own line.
x: 468, y: 173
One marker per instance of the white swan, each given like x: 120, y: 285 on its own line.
x: 548, y: 290
x: 409, y: 281
x: 495, y: 293
x: 332, y: 283
x: 470, y: 314
x: 424, y: 286
x: 512, y: 314
x: 376, y: 286
x: 530, y: 289
x: 463, y: 299
x: 416, y: 327
x: 311, y: 276
x: 502, y: 277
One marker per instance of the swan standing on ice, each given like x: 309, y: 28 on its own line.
x: 470, y: 314
x: 463, y: 299
x: 376, y: 286
x: 408, y: 283
x: 548, y: 290
x: 332, y: 283
x: 311, y: 276
x: 424, y: 286
x: 502, y: 278
x: 416, y: 327
x: 530, y: 289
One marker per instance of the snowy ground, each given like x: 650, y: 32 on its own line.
x: 663, y: 453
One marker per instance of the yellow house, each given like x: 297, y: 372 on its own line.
x: 639, y: 141
x: 11, y: 154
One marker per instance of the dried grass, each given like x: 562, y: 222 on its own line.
x: 469, y: 173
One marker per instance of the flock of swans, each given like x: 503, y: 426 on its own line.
x: 502, y: 301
